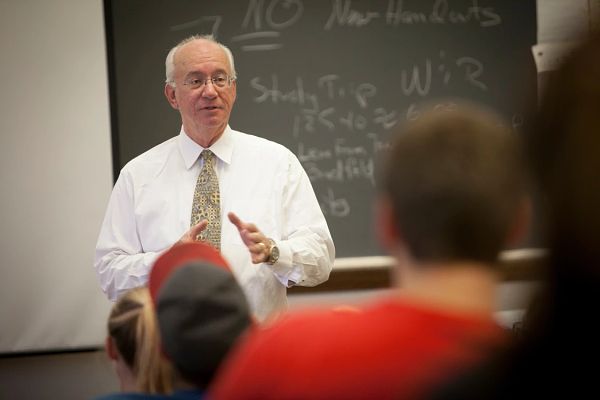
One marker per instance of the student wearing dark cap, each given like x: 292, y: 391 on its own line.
x: 201, y: 309
x: 201, y: 312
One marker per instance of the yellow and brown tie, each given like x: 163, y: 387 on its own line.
x: 207, y: 201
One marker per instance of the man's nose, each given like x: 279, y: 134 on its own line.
x: 209, y: 89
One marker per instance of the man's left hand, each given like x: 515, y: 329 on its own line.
x: 258, y: 244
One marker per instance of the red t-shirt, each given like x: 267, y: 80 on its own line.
x: 391, y: 350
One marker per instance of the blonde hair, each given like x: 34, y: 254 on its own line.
x: 133, y: 328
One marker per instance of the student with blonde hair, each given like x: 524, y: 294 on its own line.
x: 192, y: 313
x: 133, y: 345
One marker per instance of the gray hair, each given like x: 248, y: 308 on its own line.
x: 170, y: 61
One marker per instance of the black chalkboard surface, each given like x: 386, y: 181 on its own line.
x: 329, y: 79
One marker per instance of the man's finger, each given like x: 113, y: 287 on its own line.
x: 255, y: 237
x: 259, y: 248
x: 241, y: 225
x: 199, y: 227
x: 235, y: 220
x: 245, y: 235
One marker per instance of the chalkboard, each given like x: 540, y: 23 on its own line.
x: 328, y: 79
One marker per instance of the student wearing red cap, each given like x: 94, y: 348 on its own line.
x: 201, y: 312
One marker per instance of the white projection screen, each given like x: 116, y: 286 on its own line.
x: 56, y: 173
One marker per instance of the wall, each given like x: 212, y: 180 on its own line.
x: 55, y: 164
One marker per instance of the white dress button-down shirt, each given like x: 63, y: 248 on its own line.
x: 259, y: 180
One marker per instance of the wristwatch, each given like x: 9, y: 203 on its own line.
x: 273, y: 253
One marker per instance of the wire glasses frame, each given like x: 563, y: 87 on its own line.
x: 219, y: 81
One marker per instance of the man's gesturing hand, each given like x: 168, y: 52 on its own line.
x: 253, y: 238
x: 192, y: 234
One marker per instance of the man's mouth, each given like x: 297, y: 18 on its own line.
x: 210, y: 108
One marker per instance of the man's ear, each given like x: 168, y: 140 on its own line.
x: 388, y: 233
x: 170, y: 95
x: 521, y: 223
x: 111, y: 348
x: 234, y: 88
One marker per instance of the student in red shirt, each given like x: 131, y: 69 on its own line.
x: 452, y: 194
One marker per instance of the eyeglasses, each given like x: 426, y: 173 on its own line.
x: 219, y: 81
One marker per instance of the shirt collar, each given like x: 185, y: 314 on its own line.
x: 190, y: 150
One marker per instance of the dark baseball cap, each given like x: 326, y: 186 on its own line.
x: 201, y: 309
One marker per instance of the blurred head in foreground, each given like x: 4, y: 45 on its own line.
x: 453, y: 188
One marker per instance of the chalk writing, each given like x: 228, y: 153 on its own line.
x: 416, y: 80
x: 441, y: 13
x: 344, y: 14
x: 272, y: 93
x: 386, y: 119
x: 211, y: 22
x: 306, y: 154
x: 413, y: 113
x: 258, y: 35
x: 312, y: 121
x: 473, y: 70
x: 361, y: 92
x: 419, y: 78
x: 334, y: 206
x: 278, y: 15
x: 341, y: 149
x: 378, y: 145
x: 343, y: 170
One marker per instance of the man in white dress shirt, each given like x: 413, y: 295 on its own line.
x: 273, y: 232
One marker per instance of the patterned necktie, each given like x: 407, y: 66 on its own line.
x: 207, y: 201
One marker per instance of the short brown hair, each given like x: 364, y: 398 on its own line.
x: 455, y: 178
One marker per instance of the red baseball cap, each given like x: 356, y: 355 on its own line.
x: 179, y: 255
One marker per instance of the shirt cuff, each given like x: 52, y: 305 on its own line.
x: 285, y: 271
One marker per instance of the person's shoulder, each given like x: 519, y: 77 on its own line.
x: 252, y: 141
x: 272, y: 350
x: 312, y: 324
x: 152, y: 158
